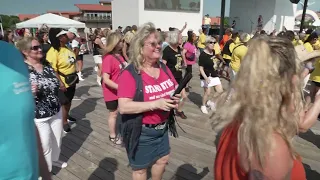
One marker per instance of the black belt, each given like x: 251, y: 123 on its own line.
x: 154, y: 125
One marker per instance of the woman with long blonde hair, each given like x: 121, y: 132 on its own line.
x: 146, y: 106
x: 112, y: 65
x: 262, y: 113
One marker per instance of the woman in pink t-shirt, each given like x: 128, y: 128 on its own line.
x: 112, y: 65
x: 146, y: 119
x: 189, y: 52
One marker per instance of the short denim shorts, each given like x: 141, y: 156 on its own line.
x: 153, y: 145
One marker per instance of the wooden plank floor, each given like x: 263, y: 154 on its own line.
x: 92, y: 156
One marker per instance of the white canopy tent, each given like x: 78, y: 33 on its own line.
x: 52, y: 21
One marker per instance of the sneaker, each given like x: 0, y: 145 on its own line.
x: 71, y: 119
x: 66, y: 128
x: 59, y: 164
x: 80, y: 76
x: 204, y: 110
x: 181, y: 114
x: 211, y: 105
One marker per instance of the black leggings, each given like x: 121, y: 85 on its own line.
x: 188, y: 70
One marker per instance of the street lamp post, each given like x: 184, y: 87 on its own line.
x: 305, y: 6
x: 222, y: 16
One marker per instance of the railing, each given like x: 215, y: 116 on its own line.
x: 96, y: 19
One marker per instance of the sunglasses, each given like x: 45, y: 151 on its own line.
x: 35, y: 48
x: 211, y: 42
x: 154, y: 44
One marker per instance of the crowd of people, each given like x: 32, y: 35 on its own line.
x: 138, y: 70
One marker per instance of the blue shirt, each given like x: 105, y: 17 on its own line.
x: 18, y: 142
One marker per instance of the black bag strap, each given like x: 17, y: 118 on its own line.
x: 122, y: 64
x: 237, y: 47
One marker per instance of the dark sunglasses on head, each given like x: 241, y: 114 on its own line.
x: 35, y: 48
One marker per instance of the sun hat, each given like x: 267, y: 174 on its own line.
x: 303, y: 55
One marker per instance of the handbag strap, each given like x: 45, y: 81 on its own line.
x: 121, y: 63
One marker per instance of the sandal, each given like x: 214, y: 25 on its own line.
x: 116, y: 140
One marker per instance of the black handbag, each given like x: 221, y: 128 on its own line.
x: 70, y: 79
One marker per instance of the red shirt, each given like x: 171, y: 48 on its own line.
x: 154, y: 89
x: 227, y: 162
x: 111, y: 66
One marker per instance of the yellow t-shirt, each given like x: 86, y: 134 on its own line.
x: 315, y: 75
x: 62, y: 61
x: 238, y: 54
x: 201, y: 41
x: 216, y: 48
x: 207, y: 21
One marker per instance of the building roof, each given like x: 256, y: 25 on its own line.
x: 93, y: 7
x: 71, y: 13
x: 23, y: 17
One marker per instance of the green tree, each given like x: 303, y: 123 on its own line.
x: 9, y: 21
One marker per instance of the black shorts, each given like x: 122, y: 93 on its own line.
x: 79, y: 57
x: 66, y: 97
x: 112, y: 105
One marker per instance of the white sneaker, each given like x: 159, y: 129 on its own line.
x: 96, y: 68
x: 80, y: 76
x: 204, y: 110
x: 212, y: 105
x: 59, y: 164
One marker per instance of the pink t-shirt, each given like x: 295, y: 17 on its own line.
x: 111, y: 66
x: 154, y: 89
x: 191, y: 51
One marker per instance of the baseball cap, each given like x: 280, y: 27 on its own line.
x: 74, y: 31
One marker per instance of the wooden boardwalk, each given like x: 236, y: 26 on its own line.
x: 90, y: 154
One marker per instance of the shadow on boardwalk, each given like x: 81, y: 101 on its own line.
x: 187, y: 171
x: 109, y: 165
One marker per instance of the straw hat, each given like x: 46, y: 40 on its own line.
x: 303, y: 55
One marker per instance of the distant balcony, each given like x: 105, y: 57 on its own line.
x: 102, y: 19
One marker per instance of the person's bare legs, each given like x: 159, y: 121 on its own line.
x: 65, y: 112
x: 139, y: 174
x: 206, y: 93
x: 158, y: 168
x: 183, y: 96
x: 112, y: 121
x: 99, y: 73
x: 79, y: 65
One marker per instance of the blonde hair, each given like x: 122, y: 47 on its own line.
x: 112, y: 41
x: 106, y: 32
x: 128, y: 37
x: 137, y: 43
x: 262, y: 96
x: 25, y: 44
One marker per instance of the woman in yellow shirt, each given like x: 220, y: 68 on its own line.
x: 315, y: 75
x: 62, y: 60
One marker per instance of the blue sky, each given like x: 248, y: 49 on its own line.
x: 15, y: 7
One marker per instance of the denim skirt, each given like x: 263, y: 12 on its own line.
x: 153, y: 145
